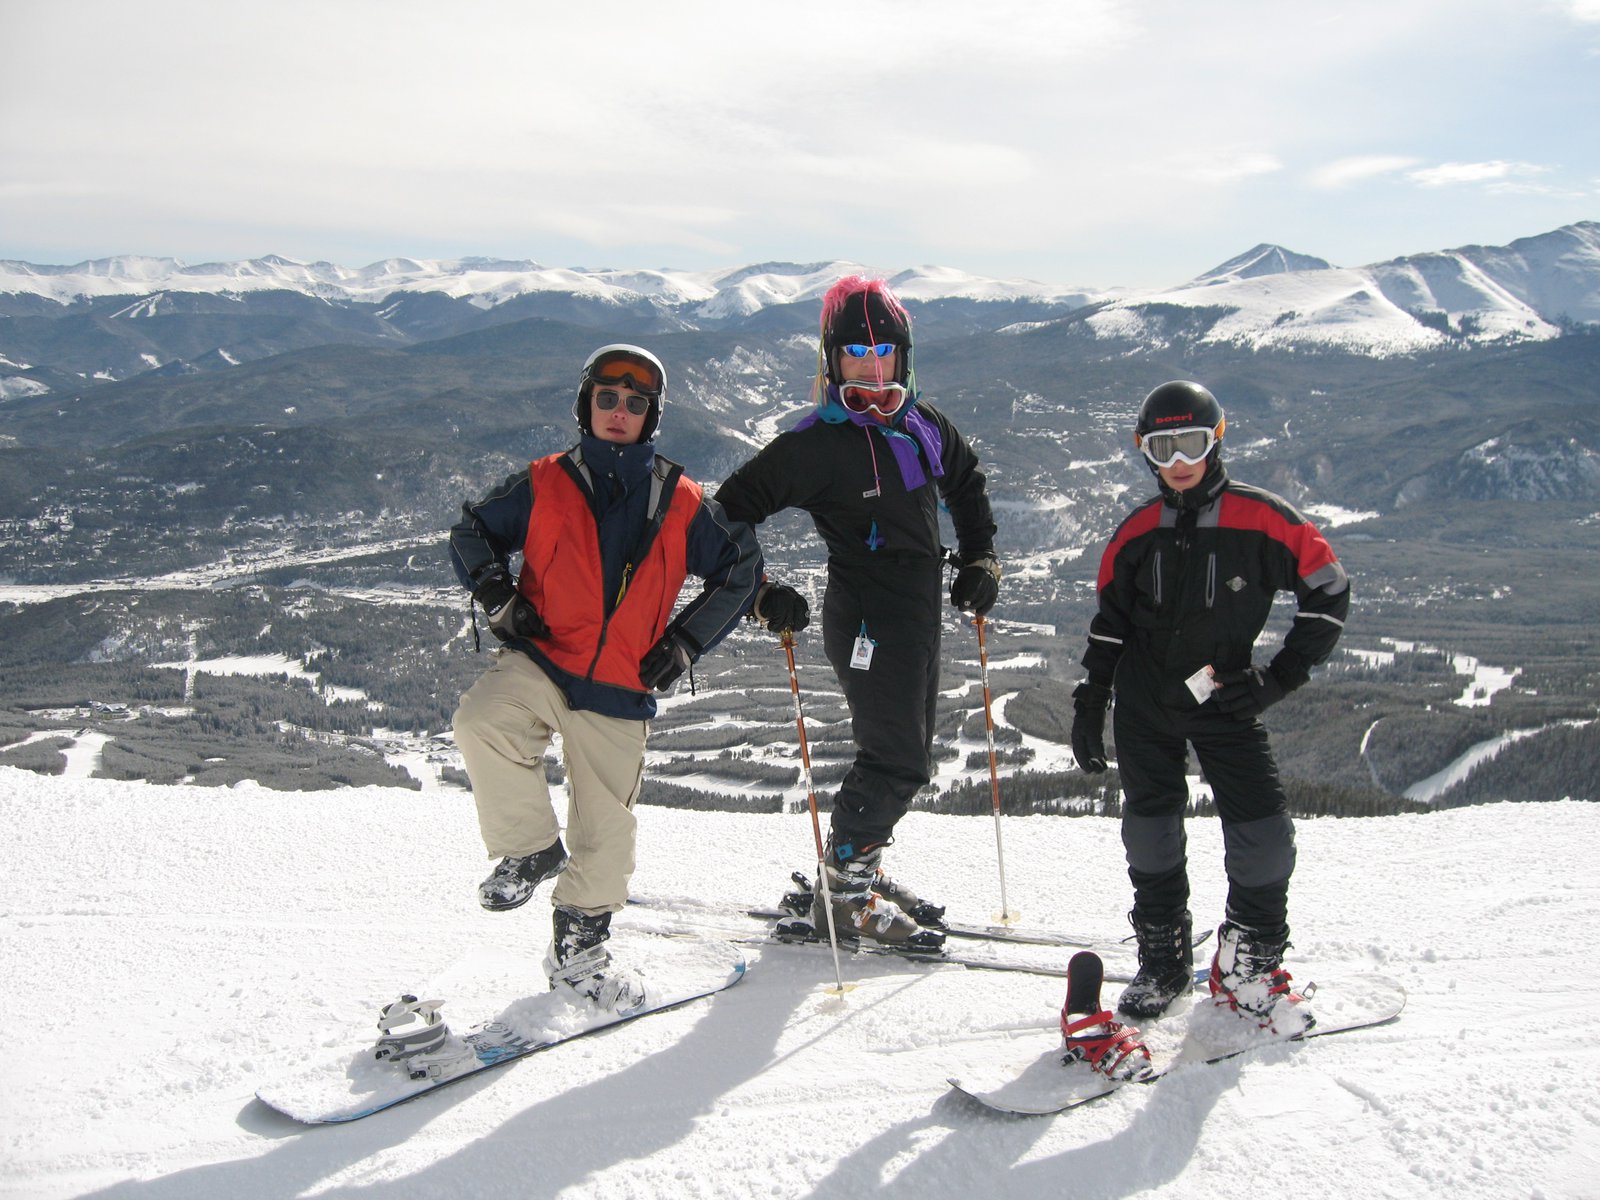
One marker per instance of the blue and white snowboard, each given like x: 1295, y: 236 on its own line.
x: 350, y: 1085
x: 1199, y: 1034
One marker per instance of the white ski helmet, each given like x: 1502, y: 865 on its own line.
x: 623, y: 363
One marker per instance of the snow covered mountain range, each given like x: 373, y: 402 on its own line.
x: 1535, y: 288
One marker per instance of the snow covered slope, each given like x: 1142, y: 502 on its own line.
x: 165, y: 949
x: 1270, y: 297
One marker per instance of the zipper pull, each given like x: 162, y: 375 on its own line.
x: 627, y: 571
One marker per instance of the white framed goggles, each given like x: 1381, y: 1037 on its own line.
x: 885, y: 399
x: 1165, y: 447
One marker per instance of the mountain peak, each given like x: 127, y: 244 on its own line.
x: 1263, y: 259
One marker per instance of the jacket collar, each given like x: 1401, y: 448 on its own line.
x: 630, y: 464
x: 1202, y: 494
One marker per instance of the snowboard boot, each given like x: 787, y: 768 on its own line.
x: 1091, y: 1035
x: 578, y: 960
x: 513, y: 881
x: 1247, y: 976
x: 860, y: 912
x: 1166, y: 964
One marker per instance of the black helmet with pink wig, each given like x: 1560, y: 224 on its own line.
x: 860, y: 311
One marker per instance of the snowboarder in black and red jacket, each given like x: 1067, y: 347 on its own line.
x: 872, y: 465
x: 1185, y: 588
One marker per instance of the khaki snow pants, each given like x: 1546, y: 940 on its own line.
x: 503, y: 725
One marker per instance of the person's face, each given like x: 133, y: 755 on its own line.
x: 870, y: 369
x: 1182, y: 476
x: 618, y: 423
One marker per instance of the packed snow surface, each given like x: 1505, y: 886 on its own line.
x: 168, y: 950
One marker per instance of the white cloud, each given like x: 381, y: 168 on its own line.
x: 1582, y: 10
x: 1347, y: 171
x: 1226, y: 166
x: 1451, y: 173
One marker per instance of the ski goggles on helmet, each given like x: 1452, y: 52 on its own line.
x: 857, y: 350
x: 1168, y: 446
x: 885, y: 399
x: 628, y: 372
x: 605, y: 399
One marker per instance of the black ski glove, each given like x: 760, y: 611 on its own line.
x: 666, y: 660
x: 781, y: 609
x: 510, y: 615
x: 1248, y: 693
x: 1090, y: 702
x: 977, y: 583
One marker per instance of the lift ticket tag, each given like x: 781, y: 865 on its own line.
x: 1201, y: 684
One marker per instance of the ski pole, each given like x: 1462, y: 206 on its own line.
x: 1006, y: 915
x: 811, y: 798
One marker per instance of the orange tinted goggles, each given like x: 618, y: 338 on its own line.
x: 629, y: 372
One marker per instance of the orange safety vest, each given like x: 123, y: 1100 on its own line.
x: 562, y: 576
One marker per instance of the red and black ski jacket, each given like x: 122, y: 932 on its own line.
x: 1188, y: 581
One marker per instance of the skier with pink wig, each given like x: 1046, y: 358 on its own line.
x: 872, y: 465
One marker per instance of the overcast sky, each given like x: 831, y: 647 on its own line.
x: 1077, y: 142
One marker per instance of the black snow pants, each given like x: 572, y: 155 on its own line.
x: 896, y: 603
x: 1154, y: 722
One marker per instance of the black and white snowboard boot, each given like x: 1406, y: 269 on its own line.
x: 1091, y: 1035
x: 1247, y: 976
x: 579, y: 961
x: 512, y: 882
x: 1166, y: 964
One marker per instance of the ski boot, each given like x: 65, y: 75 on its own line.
x: 578, y: 959
x: 923, y: 912
x: 1091, y: 1035
x: 414, y: 1038
x: 798, y: 906
x: 511, y: 883
x: 861, y: 911
x: 1247, y: 976
x: 1166, y: 964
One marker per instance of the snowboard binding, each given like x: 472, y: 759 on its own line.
x: 1091, y: 1034
x: 414, y: 1037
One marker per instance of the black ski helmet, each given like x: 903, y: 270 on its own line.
x: 1180, y: 404
x: 858, y: 311
x: 622, y: 363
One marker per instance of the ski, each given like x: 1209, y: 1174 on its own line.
x: 1203, y: 1035
x: 1005, y: 933
x: 423, y: 1056
x: 990, y: 933
x: 939, y: 957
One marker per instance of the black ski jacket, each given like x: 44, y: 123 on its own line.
x: 847, y: 477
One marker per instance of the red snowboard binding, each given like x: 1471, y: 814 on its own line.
x: 1091, y: 1033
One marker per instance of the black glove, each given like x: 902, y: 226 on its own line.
x: 781, y: 609
x: 1090, y: 700
x: 977, y: 584
x: 1248, y: 693
x: 666, y: 660
x: 510, y: 615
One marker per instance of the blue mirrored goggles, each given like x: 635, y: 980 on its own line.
x: 857, y: 350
